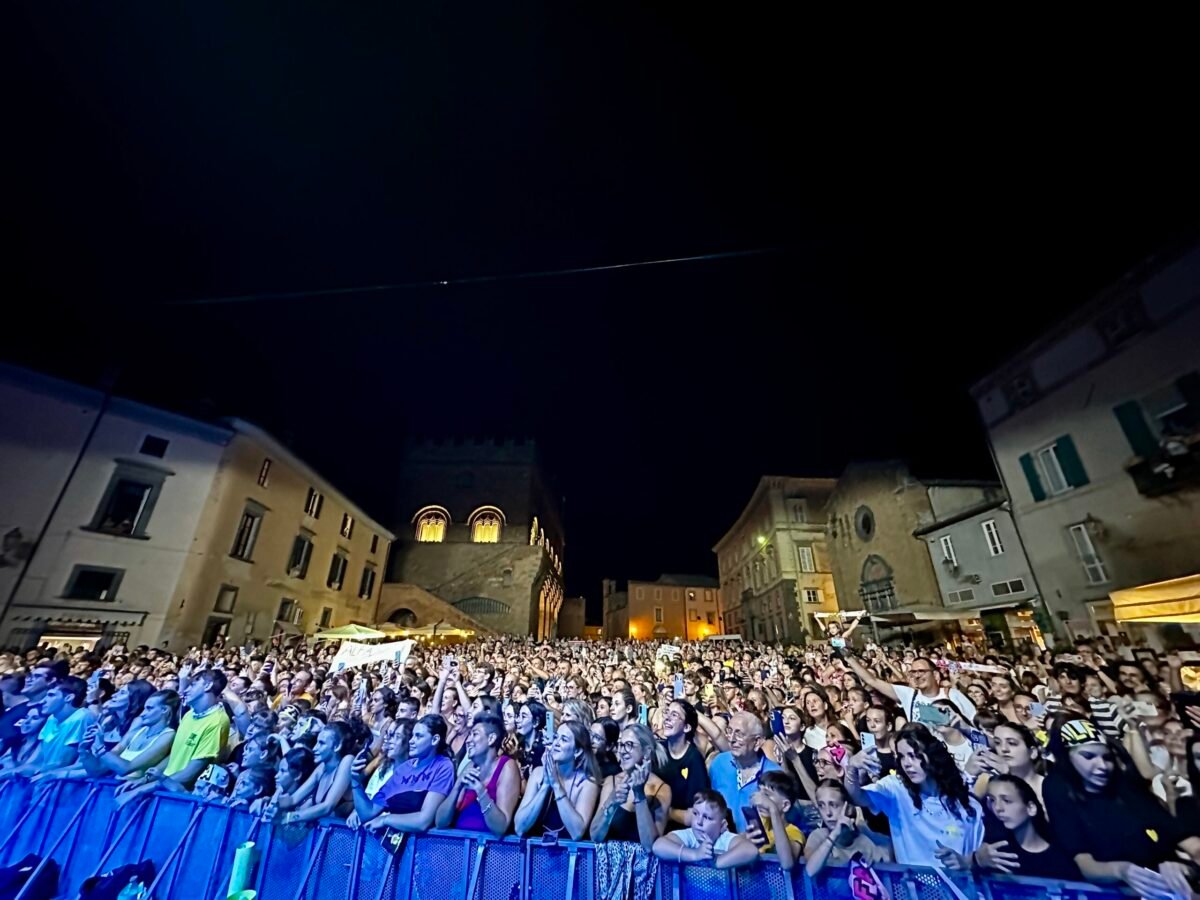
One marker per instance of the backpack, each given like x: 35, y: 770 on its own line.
x: 14, y: 878
x: 109, y: 885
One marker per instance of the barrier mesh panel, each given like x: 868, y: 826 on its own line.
x: 331, y: 878
x: 282, y: 864
x: 375, y: 865
x: 190, y: 872
x: 439, y: 869
x: 80, y: 853
x: 763, y: 881
x: 705, y: 883
x: 501, y: 873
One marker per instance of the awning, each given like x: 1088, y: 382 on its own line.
x: 1177, y: 600
x: 76, y: 615
x: 924, y: 614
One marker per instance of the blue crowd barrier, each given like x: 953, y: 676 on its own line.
x: 192, y: 843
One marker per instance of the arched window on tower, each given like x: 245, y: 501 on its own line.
x: 486, y: 524
x: 431, y: 524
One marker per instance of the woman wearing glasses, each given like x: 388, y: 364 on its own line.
x: 634, y: 802
x: 562, y: 791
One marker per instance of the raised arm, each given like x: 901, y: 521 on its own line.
x: 870, y: 679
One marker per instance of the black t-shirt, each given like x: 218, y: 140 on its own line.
x: 685, y: 786
x: 1124, y: 824
x: 10, y: 735
x: 1053, y: 862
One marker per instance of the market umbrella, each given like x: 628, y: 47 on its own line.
x: 349, y: 632
x: 440, y: 630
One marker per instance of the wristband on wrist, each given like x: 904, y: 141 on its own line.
x: 639, y: 793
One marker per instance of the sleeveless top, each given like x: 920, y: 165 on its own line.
x: 137, y: 745
x: 549, y: 821
x: 470, y: 816
x: 623, y: 826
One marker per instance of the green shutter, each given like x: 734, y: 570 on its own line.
x: 1068, y: 458
x: 1137, y: 430
x: 1031, y: 475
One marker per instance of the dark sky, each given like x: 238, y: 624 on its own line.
x: 929, y: 212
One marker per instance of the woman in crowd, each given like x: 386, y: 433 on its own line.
x: 622, y: 707
x: 146, y: 743
x: 294, y: 769
x: 325, y: 791
x: 29, y: 726
x: 605, y: 733
x: 577, y: 710
x: 683, y: 769
x: 792, y: 738
x: 119, y: 712
x: 419, y: 783
x: 1024, y: 844
x: 858, y: 700
x: 486, y: 793
x: 839, y: 838
x: 562, y: 792
x: 927, y: 803
x: 978, y: 694
x: 1002, y: 691
x: 396, y: 739
x: 1107, y: 819
x: 635, y: 801
x: 379, y: 714
x: 528, y: 743
x: 819, y: 718
x: 1013, y: 750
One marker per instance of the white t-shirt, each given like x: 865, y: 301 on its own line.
x: 688, y: 838
x: 916, y: 833
x: 814, y: 736
x: 909, y: 699
x: 961, y: 753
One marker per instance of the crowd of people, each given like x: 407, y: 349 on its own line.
x: 1079, y: 763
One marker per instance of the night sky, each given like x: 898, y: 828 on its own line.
x: 927, y: 213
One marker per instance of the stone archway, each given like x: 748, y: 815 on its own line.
x: 404, y: 617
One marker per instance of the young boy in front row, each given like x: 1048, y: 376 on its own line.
x: 709, y: 837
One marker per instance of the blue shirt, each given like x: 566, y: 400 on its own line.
x: 724, y: 776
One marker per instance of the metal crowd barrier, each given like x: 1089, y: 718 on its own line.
x: 192, y: 844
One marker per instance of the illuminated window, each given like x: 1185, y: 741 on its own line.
x: 486, y: 524
x: 431, y: 524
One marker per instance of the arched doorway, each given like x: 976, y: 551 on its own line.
x: 404, y: 617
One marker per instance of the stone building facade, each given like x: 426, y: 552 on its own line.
x: 878, y: 563
x: 774, y: 563
x: 479, y: 527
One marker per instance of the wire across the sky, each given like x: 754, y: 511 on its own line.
x: 471, y: 279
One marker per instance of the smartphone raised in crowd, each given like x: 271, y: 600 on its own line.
x: 678, y: 687
x: 777, y: 721
x: 643, y: 714
x: 928, y: 714
x: 550, y: 729
x: 866, y: 739
x: 753, y: 818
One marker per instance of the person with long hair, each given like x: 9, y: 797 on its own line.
x: 379, y: 714
x: 605, y: 734
x: 838, y: 839
x: 418, y: 784
x: 1025, y: 845
x: 819, y: 716
x: 683, y: 768
x: 634, y: 802
x: 295, y: 767
x: 396, y: 737
x: 932, y: 814
x: 486, y: 792
x: 146, y: 743
x: 1105, y: 816
x: 622, y: 706
x: 120, y: 710
x: 325, y: 791
x: 527, y: 744
x: 1013, y: 751
x: 562, y: 792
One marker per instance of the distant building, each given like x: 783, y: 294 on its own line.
x: 774, y: 564
x: 571, y: 618
x: 680, y: 607
x: 616, y: 611
x: 479, y: 528
x: 1096, y: 432
x: 156, y: 528
x: 982, y: 569
x: 878, y: 565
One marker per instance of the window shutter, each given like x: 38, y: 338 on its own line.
x: 1072, y: 465
x: 1137, y: 431
x: 1035, y: 481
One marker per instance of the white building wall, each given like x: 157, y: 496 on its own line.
x: 151, y: 564
x: 1139, y: 539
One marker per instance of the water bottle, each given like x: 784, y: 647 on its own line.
x: 132, y: 891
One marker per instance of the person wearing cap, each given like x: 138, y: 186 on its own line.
x: 1107, y: 819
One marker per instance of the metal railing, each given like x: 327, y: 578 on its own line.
x: 192, y: 842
